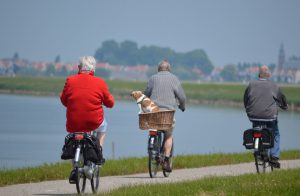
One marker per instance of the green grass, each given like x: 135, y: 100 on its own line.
x: 126, y: 166
x: 282, y: 182
x: 196, y: 93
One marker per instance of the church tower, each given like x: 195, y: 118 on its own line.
x: 281, y: 58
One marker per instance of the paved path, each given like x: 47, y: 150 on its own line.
x: 62, y: 187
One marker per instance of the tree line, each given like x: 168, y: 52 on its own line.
x: 128, y: 53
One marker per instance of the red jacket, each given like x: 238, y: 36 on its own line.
x: 83, y: 95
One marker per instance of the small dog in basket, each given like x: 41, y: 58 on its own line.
x: 145, y: 104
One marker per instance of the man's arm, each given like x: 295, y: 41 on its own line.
x: 282, y: 103
x: 246, y: 98
x: 148, y: 90
x: 63, y: 94
x: 108, y: 99
x: 180, y: 95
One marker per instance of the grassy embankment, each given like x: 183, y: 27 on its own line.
x: 282, y: 182
x: 205, y: 93
x: 127, y: 166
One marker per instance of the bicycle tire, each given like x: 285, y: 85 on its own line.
x: 152, y: 166
x: 259, y: 163
x: 153, y: 156
x: 80, y: 181
x: 165, y: 173
x: 262, y: 162
x: 95, y: 181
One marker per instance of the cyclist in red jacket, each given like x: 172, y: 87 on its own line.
x: 83, y: 96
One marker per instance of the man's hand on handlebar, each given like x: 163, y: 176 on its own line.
x: 182, y: 108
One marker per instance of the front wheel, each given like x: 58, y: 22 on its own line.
x: 167, y: 174
x: 95, y: 181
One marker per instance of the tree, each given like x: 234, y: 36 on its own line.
x: 128, y: 53
x: 108, y: 52
x: 229, y: 73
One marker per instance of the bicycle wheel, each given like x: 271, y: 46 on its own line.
x: 153, y: 156
x: 95, y: 181
x: 167, y: 174
x: 153, y: 164
x: 80, y: 176
x: 80, y: 180
x: 260, y: 164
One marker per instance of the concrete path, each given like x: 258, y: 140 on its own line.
x: 62, y: 187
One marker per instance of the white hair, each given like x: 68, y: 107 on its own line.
x: 87, y: 63
x: 164, y: 65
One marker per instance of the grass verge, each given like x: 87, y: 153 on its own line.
x: 125, y: 166
x: 280, y: 182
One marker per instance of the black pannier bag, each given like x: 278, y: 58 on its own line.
x: 68, y: 150
x: 267, y: 138
x: 248, y: 140
x: 92, y: 151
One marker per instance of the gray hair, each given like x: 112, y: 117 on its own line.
x: 164, y: 65
x: 87, y: 63
x: 264, y: 72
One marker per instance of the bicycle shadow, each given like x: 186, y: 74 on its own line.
x: 55, y: 194
x: 141, y: 177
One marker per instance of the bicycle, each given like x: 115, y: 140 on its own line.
x: 84, y: 165
x: 156, y: 155
x: 260, y: 139
x: 156, y: 123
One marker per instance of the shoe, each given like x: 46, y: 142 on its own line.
x: 72, y: 178
x: 166, y: 165
x: 102, y: 161
x: 274, y: 162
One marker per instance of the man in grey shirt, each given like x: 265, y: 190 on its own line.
x: 261, y: 99
x: 165, y: 90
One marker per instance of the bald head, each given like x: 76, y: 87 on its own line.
x: 264, y: 72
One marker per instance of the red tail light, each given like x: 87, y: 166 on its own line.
x: 152, y: 132
x: 257, y: 135
x: 79, y: 137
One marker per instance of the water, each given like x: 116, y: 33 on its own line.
x: 32, y: 130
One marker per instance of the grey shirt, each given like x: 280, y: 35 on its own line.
x: 259, y: 100
x: 165, y: 90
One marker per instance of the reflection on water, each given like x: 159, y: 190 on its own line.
x: 33, y: 129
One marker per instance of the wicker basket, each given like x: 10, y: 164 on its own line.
x: 162, y: 120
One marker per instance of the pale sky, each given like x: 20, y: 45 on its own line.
x: 230, y: 31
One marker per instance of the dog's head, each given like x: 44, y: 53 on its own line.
x: 136, y: 94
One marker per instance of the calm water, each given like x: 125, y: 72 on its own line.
x: 32, y: 130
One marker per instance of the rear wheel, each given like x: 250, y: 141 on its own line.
x: 80, y: 180
x: 95, y: 181
x: 153, y: 164
x: 260, y: 164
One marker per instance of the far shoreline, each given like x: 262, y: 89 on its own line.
x: 231, y: 104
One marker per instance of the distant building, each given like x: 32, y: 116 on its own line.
x: 287, y: 71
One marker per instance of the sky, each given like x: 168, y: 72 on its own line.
x: 229, y: 31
